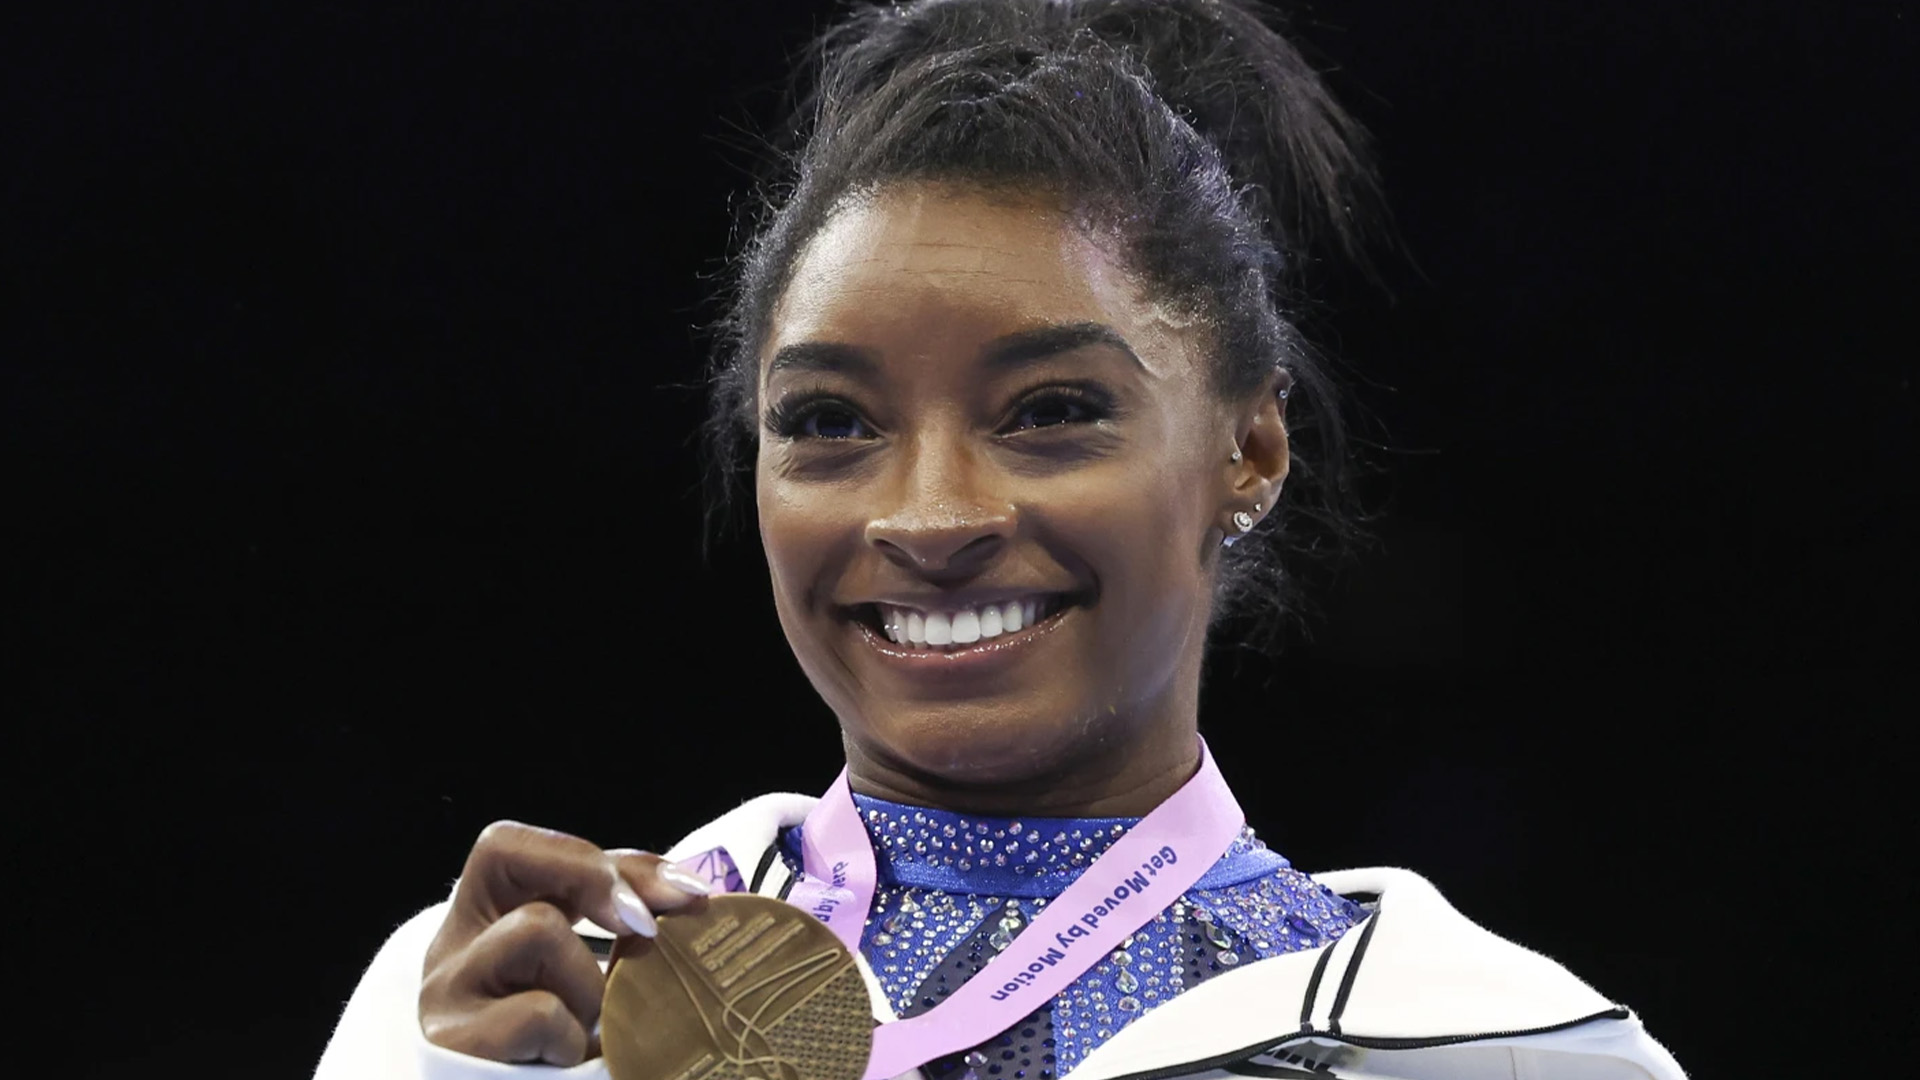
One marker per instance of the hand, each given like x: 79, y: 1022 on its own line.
x: 506, y: 977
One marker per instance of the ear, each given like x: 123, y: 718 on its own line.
x: 1261, y: 427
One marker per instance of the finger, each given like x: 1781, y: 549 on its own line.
x: 641, y: 884
x: 531, y: 1026
x: 532, y: 948
x: 659, y: 884
x: 512, y: 864
x: 644, y: 883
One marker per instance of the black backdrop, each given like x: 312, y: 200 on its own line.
x: 353, y: 502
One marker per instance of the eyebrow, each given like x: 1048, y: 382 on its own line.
x: 1010, y: 351
x: 1028, y: 346
x: 822, y: 356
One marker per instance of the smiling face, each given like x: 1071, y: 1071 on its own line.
x: 992, y: 481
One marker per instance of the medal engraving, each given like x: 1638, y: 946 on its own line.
x: 744, y: 988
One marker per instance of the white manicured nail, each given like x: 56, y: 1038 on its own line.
x: 633, y: 910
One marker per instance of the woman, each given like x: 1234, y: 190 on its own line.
x: 1008, y: 361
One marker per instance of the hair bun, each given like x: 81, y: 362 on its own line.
x: 1219, y: 64
x: 1223, y: 66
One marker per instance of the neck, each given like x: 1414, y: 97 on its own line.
x: 1101, y: 781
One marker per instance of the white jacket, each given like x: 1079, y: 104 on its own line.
x: 1415, y: 992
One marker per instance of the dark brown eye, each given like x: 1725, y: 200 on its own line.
x: 1058, y: 407
x: 829, y: 422
x: 1049, y: 414
x: 817, y: 418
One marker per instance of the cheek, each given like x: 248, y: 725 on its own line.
x: 799, y: 531
x: 1140, y: 529
x: 1146, y: 542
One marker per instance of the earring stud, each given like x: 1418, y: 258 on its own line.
x: 1243, y: 521
x: 1235, y: 458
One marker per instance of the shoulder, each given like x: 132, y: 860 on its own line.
x: 1415, y: 989
x: 1419, y: 976
x: 1415, y: 942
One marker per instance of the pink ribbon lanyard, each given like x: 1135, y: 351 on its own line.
x: 1141, y: 875
x: 837, y: 873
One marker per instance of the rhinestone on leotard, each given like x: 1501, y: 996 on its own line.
x: 1251, y: 905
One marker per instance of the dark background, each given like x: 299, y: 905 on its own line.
x: 353, y: 499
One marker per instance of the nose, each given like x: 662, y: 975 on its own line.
x: 946, y: 520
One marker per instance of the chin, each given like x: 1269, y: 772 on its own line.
x: 981, y: 744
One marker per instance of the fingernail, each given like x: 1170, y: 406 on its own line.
x: 685, y: 882
x: 633, y: 910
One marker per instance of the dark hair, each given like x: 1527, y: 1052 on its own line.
x: 1189, y: 129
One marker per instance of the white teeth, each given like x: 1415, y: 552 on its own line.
x: 941, y: 629
x: 990, y: 621
x: 1010, y: 616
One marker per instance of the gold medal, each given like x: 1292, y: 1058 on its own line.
x: 741, y: 987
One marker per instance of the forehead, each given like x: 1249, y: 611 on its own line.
x: 918, y: 261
